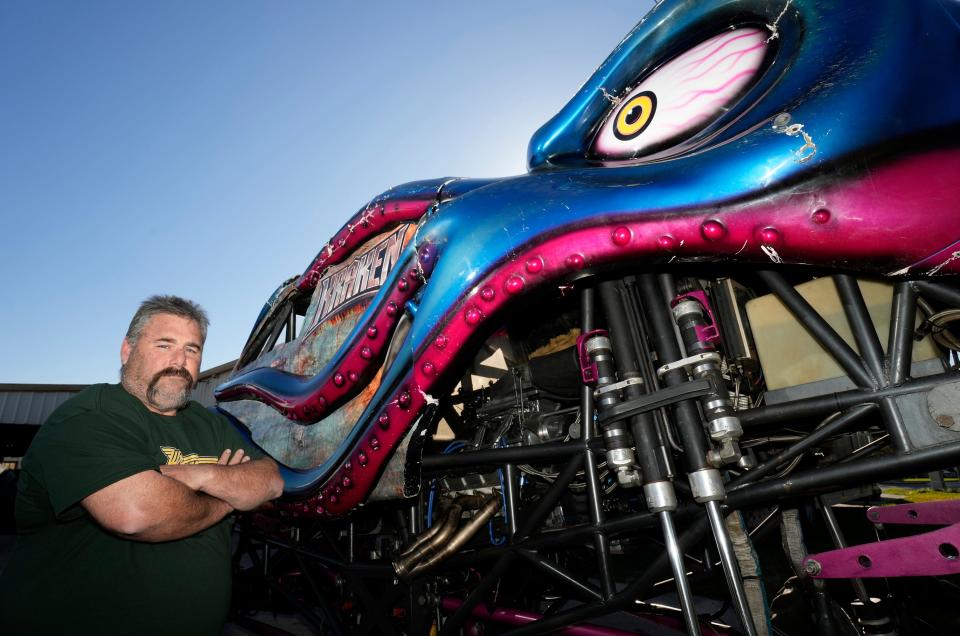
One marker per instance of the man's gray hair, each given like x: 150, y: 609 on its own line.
x: 167, y: 305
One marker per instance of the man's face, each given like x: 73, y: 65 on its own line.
x: 162, y: 366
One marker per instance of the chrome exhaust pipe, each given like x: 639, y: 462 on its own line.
x: 489, y: 509
x: 428, y: 543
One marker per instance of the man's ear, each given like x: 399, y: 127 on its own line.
x: 125, y: 350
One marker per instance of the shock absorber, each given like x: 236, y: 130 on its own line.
x: 625, y: 323
x: 706, y: 483
x: 597, y: 366
x: 699, y: 332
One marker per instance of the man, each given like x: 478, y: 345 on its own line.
x: 124, y: 499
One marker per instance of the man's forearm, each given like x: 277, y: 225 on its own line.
x: 151, y: 507
x: 197, y: 511
x: 244, y: 486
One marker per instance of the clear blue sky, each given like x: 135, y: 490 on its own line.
x: 210, y: 148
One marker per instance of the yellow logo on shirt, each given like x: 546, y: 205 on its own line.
x: 176, y: 456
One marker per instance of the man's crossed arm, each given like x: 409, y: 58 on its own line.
x: 181, y: 500
x: 242, y: 483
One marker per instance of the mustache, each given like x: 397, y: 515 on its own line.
x: 177, y: 372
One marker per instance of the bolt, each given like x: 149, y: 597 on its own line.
x: 945, y: 421
x: 812, y: 567
x: 793, y: 130
x: 781, y: 121
x: 874, y: 514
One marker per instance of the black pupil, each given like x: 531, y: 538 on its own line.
x: 634, y: 115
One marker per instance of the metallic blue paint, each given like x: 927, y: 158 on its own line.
x: 866, y: 79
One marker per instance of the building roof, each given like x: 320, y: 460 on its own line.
x: 209, y: 380
x: 33, y: 403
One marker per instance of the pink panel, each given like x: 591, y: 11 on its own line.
x: 511, y: 616
x: 931, y: 554
x: 367, y: 223
x: 361, y: 360
x: 935, y: 513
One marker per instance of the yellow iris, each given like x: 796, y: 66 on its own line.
x: 635, y: 116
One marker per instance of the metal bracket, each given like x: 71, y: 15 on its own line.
x: 929, y: 554
x: 705, y: 333
x: 617, y: 386
x: 653, y: 401
x: 933, y: 513
x: 688, y: 362
x: 588, y: 368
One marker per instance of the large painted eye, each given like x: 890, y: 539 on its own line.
x: 682, y: 96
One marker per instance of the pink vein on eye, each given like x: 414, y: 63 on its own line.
x: 694, y: 119
x: 722, y: 45
x: 697, y: 94
x: 700, y: 47
x: 697, y: 49
x: 736, y: 54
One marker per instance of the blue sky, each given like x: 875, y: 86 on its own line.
x: 209, y: 149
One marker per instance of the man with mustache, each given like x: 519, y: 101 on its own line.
x: 124, y: 501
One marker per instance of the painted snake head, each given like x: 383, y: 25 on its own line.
x: 807, y: 132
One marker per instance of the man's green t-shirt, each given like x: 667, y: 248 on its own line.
x: 67, y: 575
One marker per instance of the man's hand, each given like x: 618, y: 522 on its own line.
x: 193, y: 476
x: 237, y: 457
x: 235, y: 478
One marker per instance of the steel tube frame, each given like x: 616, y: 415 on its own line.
x: 881, y: 467
x: 506, y: 558
x: 878, y: 389
x: 839, y: 476
x: 822, y: 480
x: 626, y: 597
x: 819, y: 329
x: 900, y: 350
x: 687, y: 608
x: 588, y: 432
x: 833, y: 528
x: 743, y: 493
x: 826, y: 404
x: 826, y: 431
x: 866, y: 371
x: 942, y: 293
x: 900, y: 347
x: 881, y: 384
x: 559, y: 574
x: 333, y: 626
x: 500, y: 456
x: 646, y: 437
x: 746, y: 495
x: 510, y: 494
x: 860, y: 323
x: 731, y: 567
